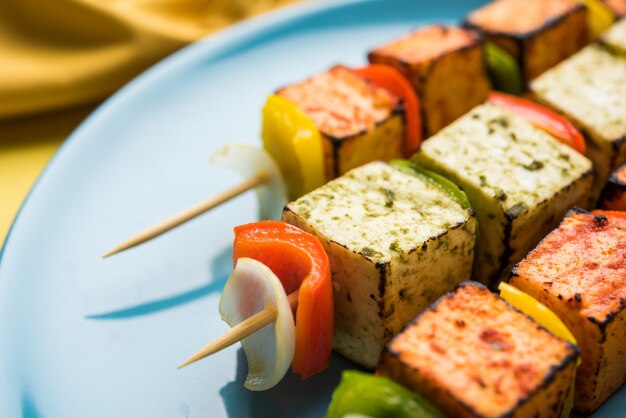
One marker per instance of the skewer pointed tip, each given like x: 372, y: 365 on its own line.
x: 112, y: 252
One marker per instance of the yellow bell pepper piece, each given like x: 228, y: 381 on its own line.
x: 295, y: 143
x: 547, y: 319
x: 599, y: 17
x: 536, y: 310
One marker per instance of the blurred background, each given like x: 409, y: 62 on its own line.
x: 60, y: 59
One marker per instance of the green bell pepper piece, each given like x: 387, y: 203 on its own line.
x: 433, y: 178
x: 363, y: 394
x: 503, y: 69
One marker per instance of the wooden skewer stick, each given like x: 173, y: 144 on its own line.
x: 182, y: 217
x: 240, y: 331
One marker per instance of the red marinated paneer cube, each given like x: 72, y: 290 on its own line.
x: 538, y: 33
x: 474, y: 355
x: 446, y: 67
x: 579, y: 272
x: 359, y: 122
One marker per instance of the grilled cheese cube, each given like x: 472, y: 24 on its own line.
x: 538, y: 33
x: 579, y: 272
x: 520, y: 181
x: 589, y: 89
x: 446, y: 67
x: 358, y: 121
x: 395, y: 243
x: 474, y: 355
x: 615, y: 37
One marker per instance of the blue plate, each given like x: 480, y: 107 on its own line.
x: 86, y: 337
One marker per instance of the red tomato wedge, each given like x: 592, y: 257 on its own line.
x: 545, y: 119
x: 300, y: 262
x: 391, y: 79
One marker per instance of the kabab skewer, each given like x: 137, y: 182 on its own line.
x: 191, y: 213
x: 240, y: 331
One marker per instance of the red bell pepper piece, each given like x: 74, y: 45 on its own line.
x: 610, y: 213
x: 300, y: 262
x: 390, y: 79
x: 556, y: 125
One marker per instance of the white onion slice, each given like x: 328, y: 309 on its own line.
x: 250, y: 288
x: 249, y: 160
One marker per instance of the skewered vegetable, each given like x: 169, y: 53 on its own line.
x: 300, y: 262
x: 294, y: 142
x: 249, y: 160
x: 250, y: 288
x: 545, y: 119
x: 504, y: 71
x: 393, y: 81
x: 377, y: 396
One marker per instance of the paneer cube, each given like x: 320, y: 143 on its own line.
x: 579, y: 272
x: 615, y: 37
x: 519, y: 179
x: 446, y: 67
x: 474, y: 355
x: 396, y: 243
x: 590, y: 90
x: 538, y: 33
x: 359, y: 121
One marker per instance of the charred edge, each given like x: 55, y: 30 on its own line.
x: 378, y: 53
x: 524, y: 35
x: 576, y: 211
x: 431, y: 308
x: 521, y: 37
x: 554, y: 371
x: 609, y: 318
x: 336, y: 142
x: 612, y: 191
x: 511, y: 215
x: 395, y: 355
x: 617, y: 146
x: 616, y: 51
x: 382, y: 284
x: 424, y: 245
x: 508, y: 251
x: 600, y: 221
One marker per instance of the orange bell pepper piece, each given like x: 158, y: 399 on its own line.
x: 545, y: 119
x: 390, y: 79
x: 300, y: 262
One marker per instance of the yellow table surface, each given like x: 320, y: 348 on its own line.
x: 26, y: 145
x: 54, y: 55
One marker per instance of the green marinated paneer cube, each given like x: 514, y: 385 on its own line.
x: 590, y: 90
x: 518, y: 178
x: 396, y: 242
